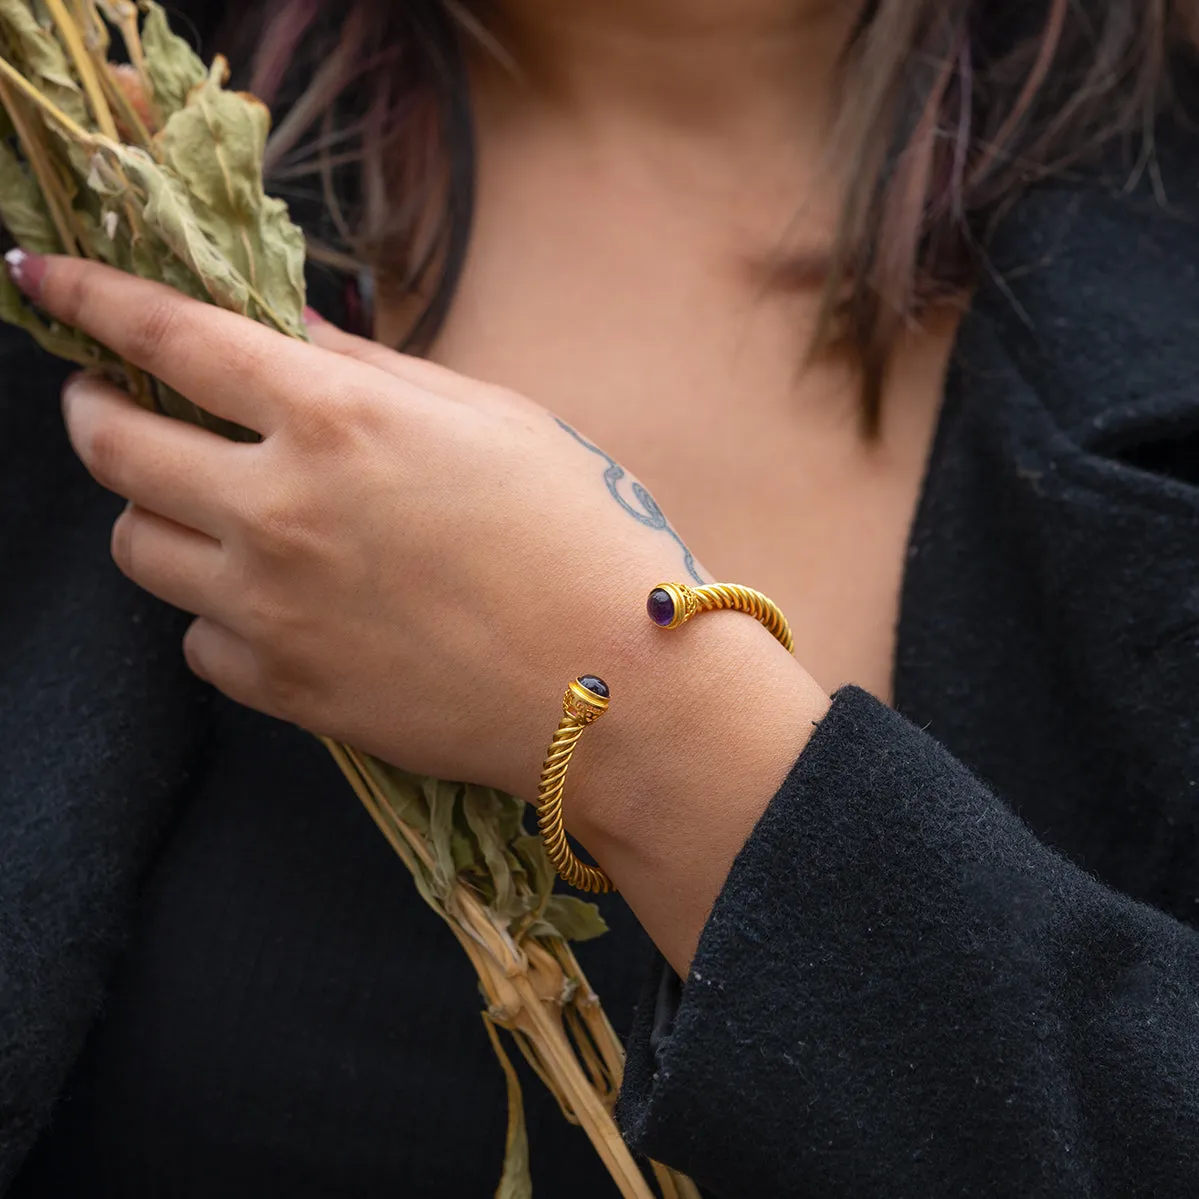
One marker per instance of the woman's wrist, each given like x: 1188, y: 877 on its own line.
x: 705, y: 723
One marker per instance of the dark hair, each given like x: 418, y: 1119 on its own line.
x: 948, y: 110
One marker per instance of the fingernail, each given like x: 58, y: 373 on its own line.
x: 312, y: 317
x: 27, y: 271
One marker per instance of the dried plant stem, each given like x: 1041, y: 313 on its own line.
x: 95, y: 32
x: 527, y: 987
x: 542, y: 1024
x: 84, y: 65
x: 673, y: 1184
x: 42, y: 167
x: 89, y: 73
x: 76, y: 132
x: 124, y: 15
x: 593, y: 1018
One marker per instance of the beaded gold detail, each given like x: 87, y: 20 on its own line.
x: 586, y: 700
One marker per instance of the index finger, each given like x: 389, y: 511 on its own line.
x: 228, y: 364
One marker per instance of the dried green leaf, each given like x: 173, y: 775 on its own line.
x: 172, y: 67
x: 22, y: 210
x: 570, y: 918
x: 215, y: 146
x: 531, y: 850
x: 37, y: 53
x: 489, y: 819
x: 166, y: 210
x: 453, y: 846
x: 441, y: 828
x: 171, y: 248
x: 404, y: 793
x: 516, y: 1182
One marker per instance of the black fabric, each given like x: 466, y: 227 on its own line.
x: 292, y: 1020
x: 903, y: 992
x: 99, y: 722
x: 978, y: 974
x: 956, y: 957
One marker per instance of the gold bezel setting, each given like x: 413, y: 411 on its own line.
x: 584, y: 704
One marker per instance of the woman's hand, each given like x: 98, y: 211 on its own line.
x: 417, y: 564
x: 409, y: 560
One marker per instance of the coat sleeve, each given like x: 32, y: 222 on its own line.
x: 902, y: 992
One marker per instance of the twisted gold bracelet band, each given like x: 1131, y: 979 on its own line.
x: 586, y: 700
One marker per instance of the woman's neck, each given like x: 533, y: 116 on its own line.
x: 703, y: 65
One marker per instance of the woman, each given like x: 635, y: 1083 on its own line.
x: 932, y: 882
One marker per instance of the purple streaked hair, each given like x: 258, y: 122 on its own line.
x: 949, y: 110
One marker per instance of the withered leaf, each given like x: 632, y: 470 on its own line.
x: 454, y: 849
x: 570, y: 918
x: 167, y: 211
x: 170, y: 248
x: 531, y: 851
x: 172, y: 67
x: 516, y: 1182
x: 488, y: 816
x: 404, y: 794
x: 22, y: 209
x: 215, y: 146
x: 41, y: 59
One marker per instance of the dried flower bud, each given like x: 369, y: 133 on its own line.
x: 134, y: 90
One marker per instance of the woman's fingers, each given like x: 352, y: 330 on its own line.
x: 232, y: 367
x: 229, y: 365
x: 176, y: 564
x: 184, y: 473
x: 227, y: 661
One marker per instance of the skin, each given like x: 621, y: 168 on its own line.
x: 416, y: 562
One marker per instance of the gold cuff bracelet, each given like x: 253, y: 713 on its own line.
x: 586, y: 700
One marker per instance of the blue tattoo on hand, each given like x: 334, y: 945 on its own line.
x: 648, y: 514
